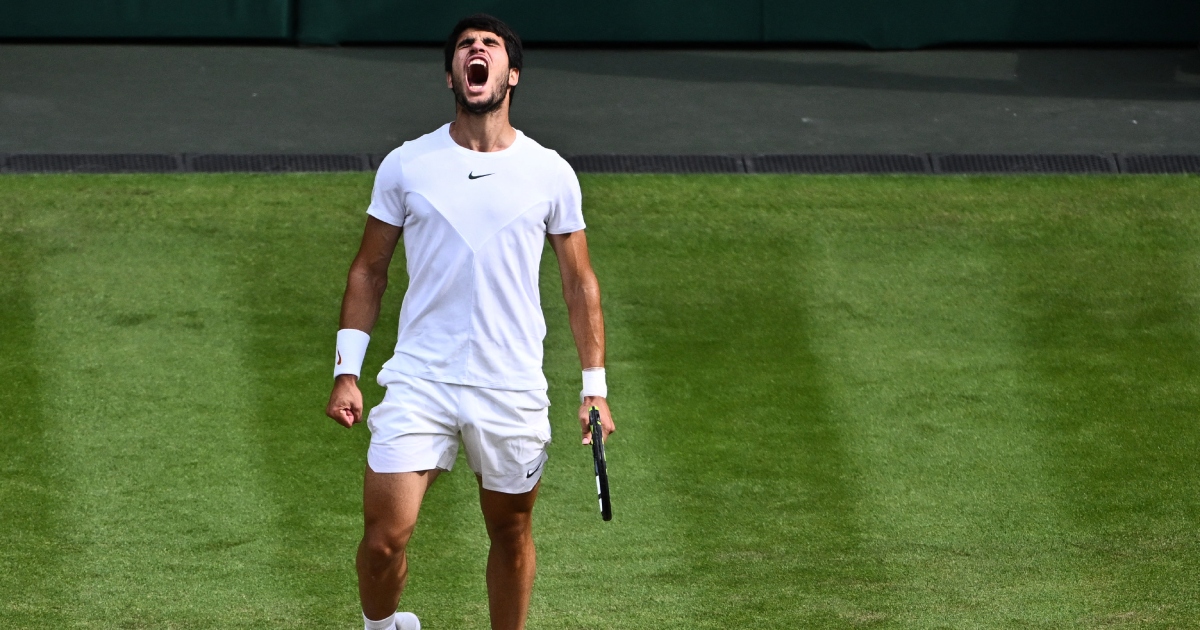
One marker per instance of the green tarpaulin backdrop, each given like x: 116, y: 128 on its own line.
x: 240, y: 19
x: 873, y: 23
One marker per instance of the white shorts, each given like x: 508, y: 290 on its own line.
x: 420, y: 422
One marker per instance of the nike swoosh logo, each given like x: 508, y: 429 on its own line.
x: 472, y: 175
x: 339, y: 357
x: 532, y: 472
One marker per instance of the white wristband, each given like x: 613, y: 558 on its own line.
x: 593, y: 384
x: 351, y: 348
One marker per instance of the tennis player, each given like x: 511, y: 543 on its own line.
x: 475, y: 202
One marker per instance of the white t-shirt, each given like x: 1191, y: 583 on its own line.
x: 474, y: 227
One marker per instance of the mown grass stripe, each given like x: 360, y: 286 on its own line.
x: 292, y: 260
x: 291, y: 263
x: 757, y: 472
x: 31, y: 496
x: 164, y: 521
x: 928, y: 372
x: 1108, y: 310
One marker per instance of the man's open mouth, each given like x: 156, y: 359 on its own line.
x: 477, y: 73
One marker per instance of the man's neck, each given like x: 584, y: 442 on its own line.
x: 486, y: 133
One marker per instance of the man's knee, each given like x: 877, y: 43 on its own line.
x: 385, y: 546
x: 512, y: 531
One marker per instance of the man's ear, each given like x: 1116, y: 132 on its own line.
x: 514, y: 76
x: 449, y: 81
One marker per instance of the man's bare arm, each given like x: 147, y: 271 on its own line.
x: 365, y: 285
x: 368, y: 275
x: 581, y: 291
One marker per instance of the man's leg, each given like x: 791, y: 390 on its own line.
x: 391, y: 502
x: 512, y: 561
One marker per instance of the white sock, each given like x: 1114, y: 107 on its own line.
x: 387, y: 623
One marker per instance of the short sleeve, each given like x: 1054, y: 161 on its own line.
x: 387, y: 198
x: 566, y: 215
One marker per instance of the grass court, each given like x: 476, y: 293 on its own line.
x: 843, y: 402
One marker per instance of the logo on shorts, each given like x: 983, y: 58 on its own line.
x: 531, y: 473
x: 472, y: 175
x: 339, y: 357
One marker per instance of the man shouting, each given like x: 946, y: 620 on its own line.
x: 474, y: 201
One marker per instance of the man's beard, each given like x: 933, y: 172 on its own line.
x: 486, y: 107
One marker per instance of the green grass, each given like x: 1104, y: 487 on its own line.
x: 843, y: 403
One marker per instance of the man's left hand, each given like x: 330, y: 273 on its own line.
x: 606, y: 422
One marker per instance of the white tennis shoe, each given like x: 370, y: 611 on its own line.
x: 407, y: 621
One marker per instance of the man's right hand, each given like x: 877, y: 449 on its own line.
x: 345, y: 402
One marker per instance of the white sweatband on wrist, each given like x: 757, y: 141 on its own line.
x: 593, y: 384
x: 351, y: 348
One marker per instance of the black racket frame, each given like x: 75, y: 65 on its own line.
x: 600, y: 464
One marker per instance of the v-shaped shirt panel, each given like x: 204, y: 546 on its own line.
x: 474, y: 227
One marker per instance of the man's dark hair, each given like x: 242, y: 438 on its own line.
x: 485, y: 22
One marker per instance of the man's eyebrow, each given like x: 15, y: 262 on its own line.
x: 487, y: 39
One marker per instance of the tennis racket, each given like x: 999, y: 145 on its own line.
x: 600, y: 465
